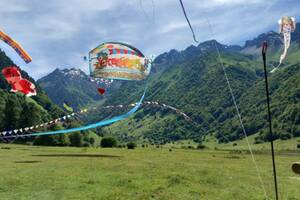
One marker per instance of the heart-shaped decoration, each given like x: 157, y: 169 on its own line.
x: 101, y: 90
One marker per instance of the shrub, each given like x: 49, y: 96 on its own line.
x: 285, y: 136
x: 86, y: 144
x: 258, y: 141
x: 76, y: 139
x: 108, y: 142
x: 92, y: 141
x: 46, y: 140
x: 201, y: 146
x: 131, y: 145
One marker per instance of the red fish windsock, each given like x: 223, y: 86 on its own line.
x: 17, y: 83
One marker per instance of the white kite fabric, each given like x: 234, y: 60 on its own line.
x: 287, y: 25
x: 22, y: 131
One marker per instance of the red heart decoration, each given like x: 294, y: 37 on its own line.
x: 101, y: 90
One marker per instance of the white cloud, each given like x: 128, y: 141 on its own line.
x: 232, y: 2
x: 59, y: 33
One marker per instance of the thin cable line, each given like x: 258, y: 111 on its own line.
x: 145, y: 13
x: 237, y: 110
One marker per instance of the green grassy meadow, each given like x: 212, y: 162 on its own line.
x: 54, y: 173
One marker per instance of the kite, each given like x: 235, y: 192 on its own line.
x: 286, y: 26
x: 18, y: 48
x: 114, y: 60
x: 18, y: 84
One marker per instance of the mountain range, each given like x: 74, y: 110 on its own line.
x: 193, y: 81
x: 70, y: 85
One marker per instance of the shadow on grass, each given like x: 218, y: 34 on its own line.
x: 6, y: 148
x: 27, y: 161
x: 77, y: 155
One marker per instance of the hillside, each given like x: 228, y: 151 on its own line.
x: 285, y: 106
x: 18, y: 111
x: 196, y: 85
x: 193, y: 81
x: 70, y: 85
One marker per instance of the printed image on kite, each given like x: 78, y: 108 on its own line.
x: 287, y: 25
x: 120, y: 61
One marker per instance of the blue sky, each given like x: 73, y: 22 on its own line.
x: 58, y: 33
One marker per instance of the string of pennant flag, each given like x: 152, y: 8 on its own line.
x: 21, y: 131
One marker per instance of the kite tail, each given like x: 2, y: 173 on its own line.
x: 287, y: 41
x: 188, y: 21
x: 282, y: 56
x: 90, y: 126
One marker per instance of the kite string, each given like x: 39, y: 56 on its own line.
x: 153, y: 10
x: 237, y: 110
x: 145, y: 13
x: 188, y: 21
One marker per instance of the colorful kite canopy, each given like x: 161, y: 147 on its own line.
x: 17, y: 83
x: 8, y: 40
x: 116, y: 60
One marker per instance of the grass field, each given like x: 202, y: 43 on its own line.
x: 55, y: 173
